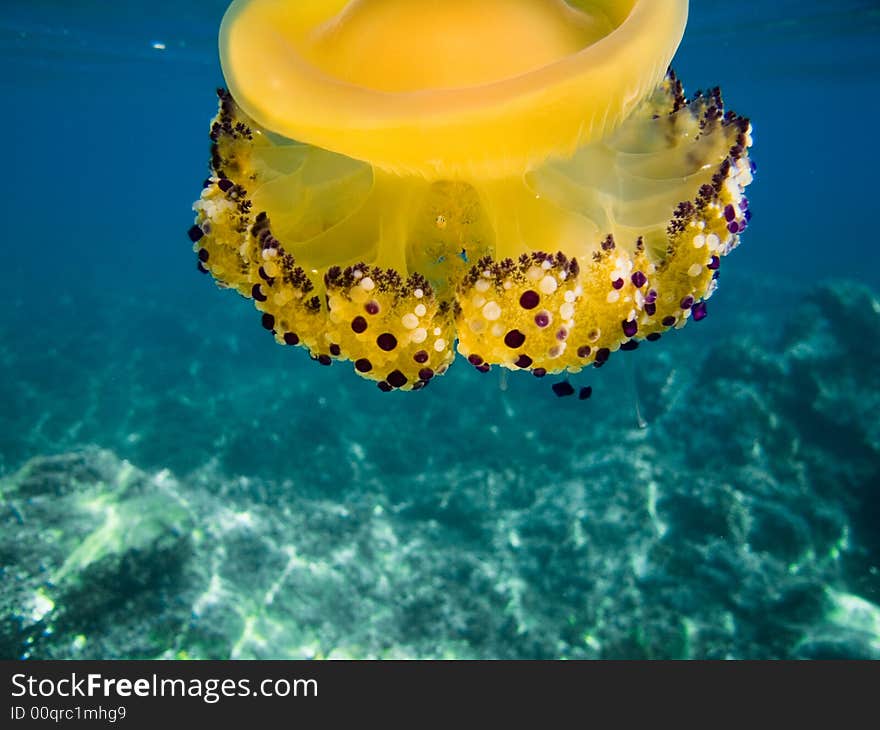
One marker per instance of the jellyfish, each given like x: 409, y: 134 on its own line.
x: 521, y: 181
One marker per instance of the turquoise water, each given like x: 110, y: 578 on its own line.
x: 175, y: 484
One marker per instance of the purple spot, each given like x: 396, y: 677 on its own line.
x: 421, y: 357
x: 426, y: 374
x: 686, y: 302
x: 733, y: 227
x: 539, y: 372
x: 291, y: 338
x: 372, y: 307
x: 542, y: 319
x: 386, y: 341
x: 523, y: 361
x: 257, y: 293
x: 268, y: 321
x: 650, y: 309
x: 396, y: 379
x: 225, y: 185
x: 514, y: 339
x: 384, y: 387
x: 529, y: 299
x: 653, y: 337
x: 335, y: 350
x: 699, y: 311
x: 714, y: 263
x: 630, y: 327
x: 475, y: 360
x: 195, y: 234
x: 651, y: 296
x: 639, y: 279
x: 562, y: 334
x: 629, y: 345
x: 585, y: 392
x: 617, y: 283
x: 200, y: 266
x: 363, y: 365
x: 744, y: 204
x: 748, y: 215
x: 484, y: 368
x: 584, y: 351
x: 325, y: 360
x: 203, y: 255
x: 668, y: 321
x: 358, y: 324
x: 602, y: 355
x: 729, y: 212
x: 563, y: 389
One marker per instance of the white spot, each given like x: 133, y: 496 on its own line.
x: 358, y: 274
x: 440, y: 345
x: 477, y: 325
x: 410, y: 321
x: 567, y: 310
x: 713, y: 242
x: 699, y: 241
x: 695, y: 270
x: 418, y: 293
x: 570, y: 296
x: 491, y: 311
x: 640, y: 299
x: 613, y: 296
x: 367, y: 284
x: 482, y: 285
x: 437, y: 332
x: 478, y: 300
x: 507, y: 284
x: 546, y: 265
x: 548, y: 285
x: 497, y: 329
x: 421, y: 310
x: 419, y: 335
x: 534, y: 273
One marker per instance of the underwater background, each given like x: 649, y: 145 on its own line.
x: 174, y: 484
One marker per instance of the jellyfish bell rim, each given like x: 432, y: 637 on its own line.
x: 489, y: 130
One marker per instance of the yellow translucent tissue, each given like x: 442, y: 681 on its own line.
x: 521, y: 177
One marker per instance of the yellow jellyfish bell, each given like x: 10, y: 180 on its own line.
x: 522, y: 177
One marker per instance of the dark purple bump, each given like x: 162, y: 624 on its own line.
x: 484, y: 368
x: 602, y: 354
x: 639, y: 279
x: 335, y: 350
x: 585, y: 393
x: 699, y: 311
x: 523, y: 361
x: 563, y: 389
x: 748, y: 215
x: 291, y: 339
x: 653, y: 337
x: 195, y: 234
x: 204, y: 255
x: 396, y: 379
x: 426, y: 374
x: 384, y: 387
x: 542, y: 319
x: 421, y: 357
x: 668, y: 321
x: 514, y: 339
x: 744, y: 204
x: 630, y: 327
x: 686, y: 302
x: 201, y: 267
x: 562, y: 334
x: 325, y: 360
x: 714, y: 263
x: 475, y: 360
x: 257, y: 293
x: 419, y: 384
x: 617, y: 283
x: 650, y: 309
x: 358, y: 324
x: 539, y: 372
x: 386, y: 341
x: 268, y: 321
x: 629, y: 345
x: 651, y: 296
x: 584, y: 351
x: 729, y: 212
x: 372, y: 307
x: 225, y: 184
x: 363, y: 365
x: 529, y: 299
x: 733, y: 227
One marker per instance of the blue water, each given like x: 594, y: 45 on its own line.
x: 481, y: 517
